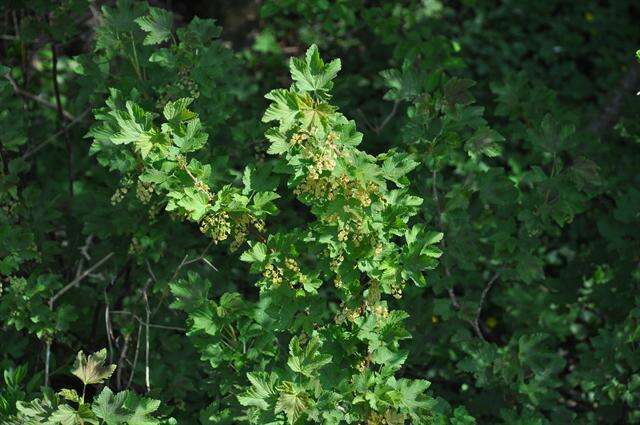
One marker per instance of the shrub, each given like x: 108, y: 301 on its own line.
x: 390, y: 243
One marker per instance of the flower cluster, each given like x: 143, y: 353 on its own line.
x: 135, y: 247
x: 186, y: 84
x: 10, y: 208
x: 144, y: 191
x: 217, y: 226
x: 121, y: 191
x: 273, y: 274
x: 240, y: 229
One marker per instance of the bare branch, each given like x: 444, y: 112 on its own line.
x: 147, y: 378
x: 135, y: 356
x: 388, y: 117
x: 47, y: 362
x: 78, y: 279
x: 61, y: 126
x: 121, y: 359
x: 185, y: 262
x: 51, y: 138
x: 151, y: 325
x: 476, y: 321
x: 20, y: 92
x: 609, y: 114
x: 447, y: 272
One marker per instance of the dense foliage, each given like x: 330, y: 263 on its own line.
x: 394, y: 212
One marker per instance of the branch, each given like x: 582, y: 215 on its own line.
x: 185, y: 262
x: 53, y: 299
x: 388, y: 117
x: 17, y: 90
x: 378, y: 128
x: 447, y: 272
x: 61, y: 126
x: 121, y: 359
x: 607, y: 117
x: 49, y: 139
x: 135, y: 356
x: 47, y: 361
x: 147, y: 379
x: 151, y: 325
x: 78, y: 279
x: 476, y: 321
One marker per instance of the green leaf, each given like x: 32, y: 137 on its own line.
x: 70, y: 395
x: 411, y: 394
x: 141, y: 408
x: 311, y: 73
x: 110, y: 407
x: 308, y: 360
x: 262, y: 388
x: 157, y: 24
x: 279, y: 143
x: 293, y: 401
x: 284, y: 108
x: 194, y: 201
x: 485, y: 142
x: 67, y: 415
x: 191, y: 138
x: 178, y: 110
x: 257, y: 253
x: 432, y: 238
x: 92, y: 369
x: 262, y: 202
x: 396, y: 167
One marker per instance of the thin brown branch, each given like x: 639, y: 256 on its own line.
x: 147, y: 378
x: 61, y: 125
x: 476, y: 320
x: 121, y: 359
x: 108, y: 326
x: 185, y: 262
x: 615, y: 100
x: 78, y: 279
x: 51, y: 138
x: 135, y: 356
x: 388, y: 117
x: 447, y: 272
x: 27, y: 95
x: 151, y: 325
x: 47, y: 362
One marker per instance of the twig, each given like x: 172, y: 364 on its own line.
x: 185, y: 262
x: 388, y: 117
x: 153, y: 276
x: 49, y: 139
x: 121, y: 358
x: 107, y: 324
x: 61, y: 126
x: 447, y: 272
x: 476, y: 321
x: 608, y: 115
x: 378, y: 128
x: 147, y: 379
x: 84, y: 250
x: 95, y: 12
x: 47, y: 362
x: 151, y: 325
x: 52, y: 301
x: 366, y: 121
x: 135, y: 356
x: 78, y: 279
x: 17, y: 90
